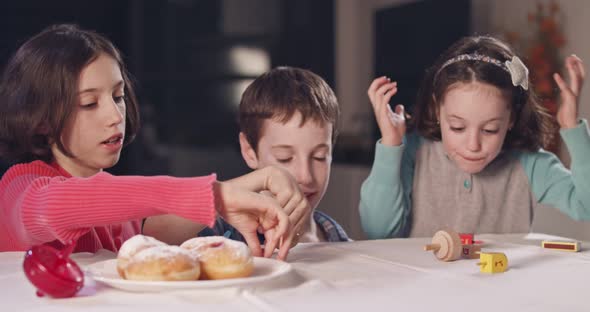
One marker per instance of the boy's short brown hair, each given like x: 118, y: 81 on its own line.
x: 281, y: 92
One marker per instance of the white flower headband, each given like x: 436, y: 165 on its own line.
x: 515, y: 67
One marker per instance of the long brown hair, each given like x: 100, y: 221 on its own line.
x: 39, y: 89
x: 533, y: 127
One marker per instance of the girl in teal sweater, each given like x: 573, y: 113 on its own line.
x: 474, y: 161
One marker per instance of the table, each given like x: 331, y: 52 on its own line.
x: 357, y: 276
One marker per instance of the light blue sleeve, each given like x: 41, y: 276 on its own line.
x: 556, y: 186
x: 385, y: 203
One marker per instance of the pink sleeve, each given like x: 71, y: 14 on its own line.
x: 66, y: 208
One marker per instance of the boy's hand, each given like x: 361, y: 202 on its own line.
x: 391, y: 124
x: 284, y: 189
x: 249, y: 211
x: 567, y: 113
x: 299, y: 219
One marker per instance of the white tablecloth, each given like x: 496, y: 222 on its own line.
x: 358, y: 276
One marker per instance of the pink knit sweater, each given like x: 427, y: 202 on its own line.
x: 42, y: 203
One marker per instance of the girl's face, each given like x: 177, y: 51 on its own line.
x: 303, y: 150
x: 474, y: 119
x: 94, y: 134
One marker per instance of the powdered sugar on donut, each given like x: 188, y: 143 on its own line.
x: 136, y: 243
x: 160, y: 252
x: 199, y: 244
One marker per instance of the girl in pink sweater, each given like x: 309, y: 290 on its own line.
x: 67, y: 109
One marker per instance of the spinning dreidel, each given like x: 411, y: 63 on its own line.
x: 492, y: 262
x: 52, y: 272
x: 446, y: 245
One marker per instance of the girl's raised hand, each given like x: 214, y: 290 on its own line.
x: 567, y: 113
x: 391, y: 124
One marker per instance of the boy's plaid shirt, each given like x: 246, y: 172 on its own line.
x: 331, y: 229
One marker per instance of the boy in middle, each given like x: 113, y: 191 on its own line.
x: 288, y: 118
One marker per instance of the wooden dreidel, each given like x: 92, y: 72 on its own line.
x: 470, y: 251
x: 446, y: 245
x: 492, y: 262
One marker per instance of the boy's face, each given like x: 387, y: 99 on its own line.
x: 474, y: 119
x: 95, y: 132
x: 304, y: 150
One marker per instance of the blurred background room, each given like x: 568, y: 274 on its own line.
x: 192, y: 59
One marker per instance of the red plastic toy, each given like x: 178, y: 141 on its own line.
x: 52, y: 272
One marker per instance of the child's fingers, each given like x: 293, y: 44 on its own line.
x: 293, y: 202
x: 284, y: 247
x: 383, y: 89
x: 288, y: 196
x: 270, y: 244
x: 398, y: 117
x: 389, y: 94
x: 300, y: 224
x: 574, y: 74
x: 400, y: 109
x: 381, y: 98
x: 377, y: 82
x: 278, y: 233
x: 579, y: 64
x: 300, y: 218
x: 253, y: 243
x: 275, y: 241
x: 300, y: 214
x: 298, y: 210
x: 276, y: 220
x: 561, y: 83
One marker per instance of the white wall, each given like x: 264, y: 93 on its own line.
x: 354, y: 72
x: 355, y: 60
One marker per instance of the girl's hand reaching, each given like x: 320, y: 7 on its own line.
x: 279, y: 184
x: 250, y: 211
x: 567, y: 113
x: 391, y: 124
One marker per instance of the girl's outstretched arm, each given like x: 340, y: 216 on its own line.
x: 39, y: 205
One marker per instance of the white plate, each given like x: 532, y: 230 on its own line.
x: 264, y: 270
